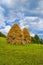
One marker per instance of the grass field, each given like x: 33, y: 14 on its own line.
x: 30, y: 54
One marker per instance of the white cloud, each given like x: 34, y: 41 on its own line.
x: 27, y: 21
x: 2, y: 18
x: 2, y: 24
x: 40, y: 24
x: 41, y: 4
x: 23, y: 5
x: 8, y: 3
x: 39, y: 8
x: 34, y: 24
x: 32, y: 34
x: 14, y: 3
x: 1, y: 9
x: 12, y: 16
x: 5, y: 30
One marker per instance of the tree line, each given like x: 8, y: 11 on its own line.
x: 2, y: 35
x: 36, y: 39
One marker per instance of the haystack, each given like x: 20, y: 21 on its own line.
x: 15, y: 35
x: 27, y: 37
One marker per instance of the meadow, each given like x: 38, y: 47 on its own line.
x: 28, y: 54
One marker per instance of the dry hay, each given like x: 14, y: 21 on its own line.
x: 17, y: 36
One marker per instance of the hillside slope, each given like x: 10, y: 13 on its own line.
x: 31, y: 54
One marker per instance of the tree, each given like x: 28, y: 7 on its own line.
x: 41, y: 41
x: 27, y: 37
x: 15, y: 35
x: 2, y: 35
x: 36, y: 39
x: 32, y: 39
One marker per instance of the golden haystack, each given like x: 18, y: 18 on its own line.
x: 27, y: 37
x: 15, y: 35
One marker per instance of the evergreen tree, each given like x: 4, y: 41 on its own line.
x: 32, y: 39
x: 36, y: 39
x: 41, y: 41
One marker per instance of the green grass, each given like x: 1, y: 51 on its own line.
x: 30, y: 54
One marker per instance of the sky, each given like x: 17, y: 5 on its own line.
x: 26, y: 13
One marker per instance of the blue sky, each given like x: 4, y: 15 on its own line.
x: 26, y: 13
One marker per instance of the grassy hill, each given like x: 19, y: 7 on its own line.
x: 31, y: 54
